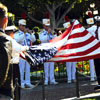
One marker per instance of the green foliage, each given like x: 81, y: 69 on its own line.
x: 37, y: 8
x: 83, y: 66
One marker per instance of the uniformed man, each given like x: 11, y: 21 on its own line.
x: 24, y: 38
x: 15, y: 61
x: 90, y: 23
x: 44, y: 37
x: 70, y: 66
x: 95, y: 30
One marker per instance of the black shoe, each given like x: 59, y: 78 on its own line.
x: 97, y: 88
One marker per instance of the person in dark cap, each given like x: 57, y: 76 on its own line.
x: 95, y: 31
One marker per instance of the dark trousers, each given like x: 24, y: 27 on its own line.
x: 97, y: 69
x: 16, y: 74
x: 6, y: 89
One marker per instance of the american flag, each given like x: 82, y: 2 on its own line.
x: 75, y: 44
x: 38, y: 54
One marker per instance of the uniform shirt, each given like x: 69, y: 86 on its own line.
x: 93, y: 29
x: 45, y: 37
x: 16, y: 49
x: 24, y: 39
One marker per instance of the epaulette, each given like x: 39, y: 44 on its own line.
x: 41, y: 32
x: 16, y: 32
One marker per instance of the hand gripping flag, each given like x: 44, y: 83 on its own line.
x: 75, y: 44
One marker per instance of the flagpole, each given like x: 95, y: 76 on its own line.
x: 43, y: 87
x: 77, y: 81
x: 77, y: 84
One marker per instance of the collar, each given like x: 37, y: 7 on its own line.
x: 1, y: 30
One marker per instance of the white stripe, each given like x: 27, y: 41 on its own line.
x: 78, y: 30
x: 72, y: 57
x: 76, y: 22
x: 22, y: 54
x: 84, y: 48
x: 65, y: 40
x: 60, y: 42
x: 79, y: 39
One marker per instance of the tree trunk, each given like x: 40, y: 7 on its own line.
x: 53, y: 22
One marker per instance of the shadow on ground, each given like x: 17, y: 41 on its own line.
x: 62, y: 91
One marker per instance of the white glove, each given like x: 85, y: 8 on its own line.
x: 25, y: 48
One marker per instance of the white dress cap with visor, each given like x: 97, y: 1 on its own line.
x: 97, y: 18
x: 67, y: 23
x: 22, y: 22
x: 90, y: 20
x: 46, y: 21
x: 11, y: 28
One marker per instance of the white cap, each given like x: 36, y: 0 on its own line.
x: 46, y: 22
x: 90, y: 21
x: 11, y: 28
x: 66, y: 25
x: 97, y: 18
x: 22, y: 22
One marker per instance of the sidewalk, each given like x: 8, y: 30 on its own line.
x: 62, y: 91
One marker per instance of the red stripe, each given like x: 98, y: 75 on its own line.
x: 60, y: 37
x: 79, y: 59
x: 77, y: 26
x: 77, y: 35
x: 81, y: 53
x: 77, y: 45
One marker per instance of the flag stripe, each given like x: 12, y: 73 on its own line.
x: 77, y: 45
x: 59, y: 59
x: 81, y: 53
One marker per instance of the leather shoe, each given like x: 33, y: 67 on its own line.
x: 69, y: 81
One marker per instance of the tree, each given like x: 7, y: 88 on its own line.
x: 57, y: 9
x: 97, y: 2
x: 36, y: 9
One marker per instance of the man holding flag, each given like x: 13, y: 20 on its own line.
x: 95, y: 30
x: 70, y: 66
